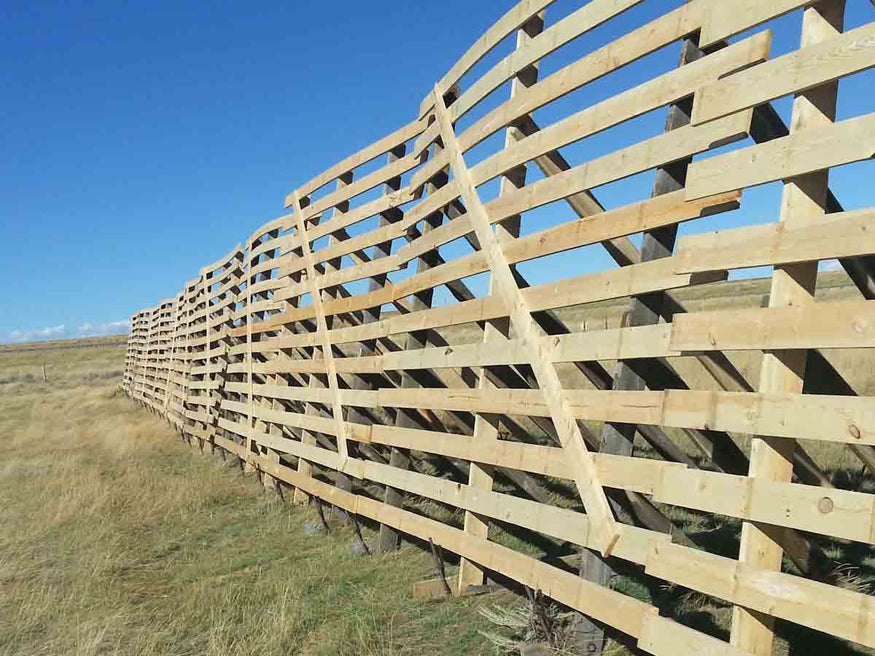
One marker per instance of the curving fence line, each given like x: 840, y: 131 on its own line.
x: 410, y: 341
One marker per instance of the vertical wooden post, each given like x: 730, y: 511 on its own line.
x: 481, y: 477
x: 603, y: 531
x: 258, y: 424
x: 322, y: 330
x: 250, y: 422
x: 304, y: 467
x: 190, y: 294
x: 803, y: 201
x: 169, y: 361
x: 233, y: 275
x: 342, y: 480
x: 382, y: 250
x: 206, y: 277
x: 389, y: 538
x: 288, y: 355
x: 618, y: 439
x: 276, y: 380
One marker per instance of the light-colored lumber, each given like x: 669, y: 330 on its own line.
x: 814, y: 143
x: 366, y: 154
x: 650, y: 95
x: 600, y: 286
x: 696, y: 569
x: 586, y: 18
x: 842, y: 419
x: 358, y: 243
x: 322, y: 327
x: 504, y: 26
x: 830, y: 609
x: 641, y: 475
x: 840, y: 612
x: 626, y: 343
x: 838, y: 513
x: 845, y: 234
x: 496, y: 333
x: 623, y: 50
x: 797, y: 71
x: 360, y: 186
x: 625, y: 162
x: 799, y: 153
x: 848, y: 325
x: 603, y: 523
x: 621, y: 221
x: 727, y: 19
x: 643, y: 156
x: 626, y: 613
x: 360, y: 213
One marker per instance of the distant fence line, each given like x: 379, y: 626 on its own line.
x: 320, y: 353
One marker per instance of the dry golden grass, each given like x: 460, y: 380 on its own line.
x: 118, y: 539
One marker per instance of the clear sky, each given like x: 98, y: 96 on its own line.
x: 143, y: 140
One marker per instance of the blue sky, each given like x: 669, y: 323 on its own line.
x: 142, y: 140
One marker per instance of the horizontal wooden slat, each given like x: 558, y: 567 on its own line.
x: 618, y: 283
x: 378, y: 177
x: 376, y: 149
x: 838, y: 513
x: 643, y: 156
x: 621, y: 107
x: 841, y: 235
x: 819, y: 325
x: 501, y: 29
x: 233, y: 257
x: 727, y: 19
x: 593, y: 14
x: 809, y: 150
x: 797, y: 71
x: 839, y: 612
x: 843, y: 419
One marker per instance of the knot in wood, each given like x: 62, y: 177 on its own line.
x: 825, y: 505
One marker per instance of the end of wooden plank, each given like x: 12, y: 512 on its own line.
x: 707, y: 277
x: 433, y: 589
x: 725, y: 19
x: 425, y: 140
x: 720, y: 203
x: 360, y: 432
x: 708, y: 98
x: 426, y: 105
x: 611, y: 543
x: 742, y: 121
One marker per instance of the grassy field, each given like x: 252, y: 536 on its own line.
x: 117, y: 538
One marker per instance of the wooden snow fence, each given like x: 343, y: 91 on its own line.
x: 409, y: 332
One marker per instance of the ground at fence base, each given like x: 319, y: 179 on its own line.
x: 434, y: 589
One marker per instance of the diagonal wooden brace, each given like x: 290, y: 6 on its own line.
x: 322, y: 328
x: 539, y: 348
